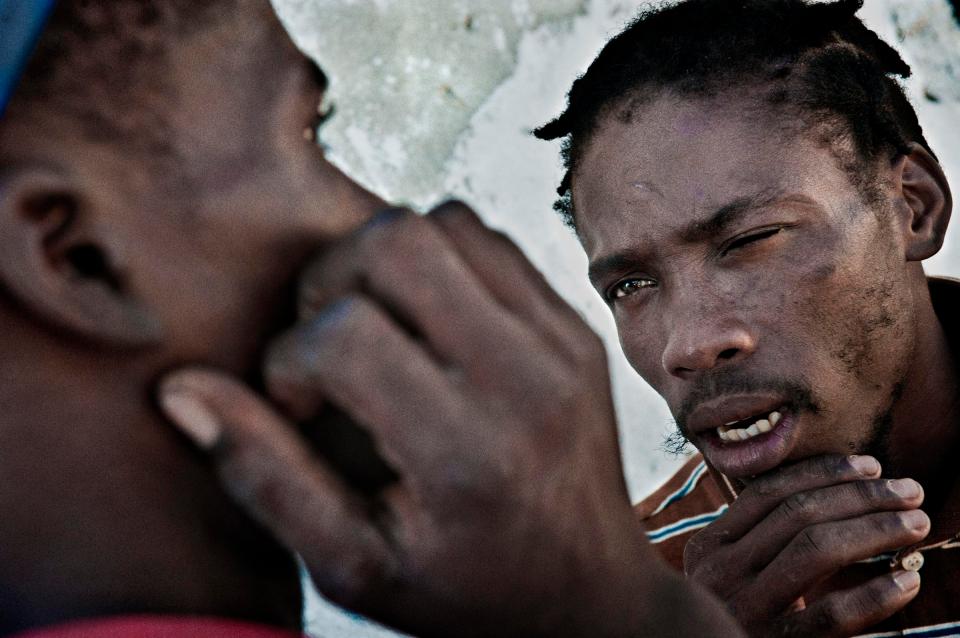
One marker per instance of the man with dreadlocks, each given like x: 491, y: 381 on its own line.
x: 160, y: 193
x: 756, y: 196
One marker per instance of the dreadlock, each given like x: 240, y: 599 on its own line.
x: 819, y: 62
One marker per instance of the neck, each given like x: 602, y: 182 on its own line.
x: 925, y: 434
x: 104, y: 510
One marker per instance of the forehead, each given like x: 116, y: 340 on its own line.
x: 675, y: 159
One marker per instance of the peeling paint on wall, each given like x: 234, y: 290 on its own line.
x: 411, y: 75
x: 927, y: 32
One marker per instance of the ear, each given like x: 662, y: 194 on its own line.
x: 926, y: 202
x: 54, y: 267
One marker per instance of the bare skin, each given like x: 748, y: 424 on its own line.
x: 510, y: 516
x: 490, y: 398
x: 809, y: 520
x: 94, y: 485
x: 748, y: 276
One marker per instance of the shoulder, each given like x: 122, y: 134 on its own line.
x: 689, y: 501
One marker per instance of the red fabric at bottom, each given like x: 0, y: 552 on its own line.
x: 159, y: 627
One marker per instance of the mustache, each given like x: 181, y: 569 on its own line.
x: 798, y: 393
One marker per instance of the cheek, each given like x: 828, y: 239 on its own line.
x: 853, y: 315
x: 643, y: 350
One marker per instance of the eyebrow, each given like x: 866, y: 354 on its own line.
x: 728, y: 215
x: 697, y: 230
x: 616, y: 262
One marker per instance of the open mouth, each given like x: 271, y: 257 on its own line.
x: 746, y: 429
x: 742, y: 435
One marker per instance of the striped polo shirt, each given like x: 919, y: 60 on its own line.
x: 697, y: 495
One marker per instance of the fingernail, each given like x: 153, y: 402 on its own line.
x: 907, y: 581
x: 865, y: 465
x: 905, y: 488
x: 192, y: 416
x: 915, y: 520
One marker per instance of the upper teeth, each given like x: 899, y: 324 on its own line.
x: 738, y: 434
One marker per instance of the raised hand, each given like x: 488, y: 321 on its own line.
x: 488, y: 398
x: 794, y: 527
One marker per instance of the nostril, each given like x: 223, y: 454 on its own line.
x: 728, y: 354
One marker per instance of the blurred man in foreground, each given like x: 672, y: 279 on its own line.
x: 159, y: 192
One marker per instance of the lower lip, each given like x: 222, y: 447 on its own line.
x: 762, y: 453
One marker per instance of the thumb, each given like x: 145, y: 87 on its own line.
x: 270, y: 471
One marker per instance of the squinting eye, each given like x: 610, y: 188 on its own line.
x: 628, y: 287
x: 749, y: 239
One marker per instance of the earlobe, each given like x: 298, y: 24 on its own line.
x: 927, y: 203
x: 54, y: 269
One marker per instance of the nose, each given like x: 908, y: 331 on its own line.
x: 700, y: 341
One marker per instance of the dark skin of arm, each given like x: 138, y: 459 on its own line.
x: 794, y: 527
x: 489, y: 398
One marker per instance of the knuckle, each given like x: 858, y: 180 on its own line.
x: 768, y: 487
x: 398, y: 242
x: 815, y: 543
x: 820, y: 469
x: 829, y: 613
x: 339, y: 330
x: 454, y: 210
x: 843, y: 613
x: 800, y: 507
x: 327, y: 341
x: 869, y: 492
x: 833, y: 466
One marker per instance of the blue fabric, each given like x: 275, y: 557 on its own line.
x: 21, y: 23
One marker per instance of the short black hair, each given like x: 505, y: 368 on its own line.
x: 103, y: 63
x: 817, y: 60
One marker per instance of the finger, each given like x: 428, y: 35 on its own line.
x: 821, y: 550
x: 765, y: 492
x: 355, y: 356
x: 510, y: 277
x: 406, y: 264
x: 269, y: 471
x: 837, y: 502
x: 849, y: 612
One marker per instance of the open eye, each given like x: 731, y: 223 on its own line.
x: 740, y: 242
x: 627, y: 287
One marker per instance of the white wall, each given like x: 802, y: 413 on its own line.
x: 437, y: 98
